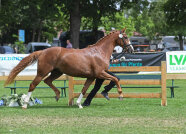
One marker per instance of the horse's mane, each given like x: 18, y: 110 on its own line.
x: 103, y: 38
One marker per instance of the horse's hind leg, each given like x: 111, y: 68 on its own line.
x: 42, y: 71
x: 88, y: 82
x: 105, y: 75
x: 33, y: 85
x: 54, y: 75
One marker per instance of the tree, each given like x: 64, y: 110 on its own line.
x: 141, y: 17
x: 96, y: 12
x: 96, y: 9
x: 38, y: 18
x: 175, y: 18
x: 157, y: 14
x: 137, y: 7
x: 72, y: 8
x: 118, y: 23
x: 42, y: 18
x: 90, y: 11
x: 75, y: 21
x: 145, y: 25
x: 8, y: 20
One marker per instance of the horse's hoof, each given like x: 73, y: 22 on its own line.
x: 57, y: 98
x: 80, y: 107
x: 24, y: 108
x: 120, y: 98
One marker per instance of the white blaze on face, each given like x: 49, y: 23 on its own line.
x: 121, y: 36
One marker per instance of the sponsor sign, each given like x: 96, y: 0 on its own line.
x: 176, y: 62
x: 9, y: 61
x: 139, y: 59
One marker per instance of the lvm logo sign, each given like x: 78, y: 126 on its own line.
x: 176, y: 62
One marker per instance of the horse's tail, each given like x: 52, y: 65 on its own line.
x: 28, y: 60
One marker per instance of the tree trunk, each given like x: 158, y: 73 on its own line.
x: 181, y: 41
x: 75, y: 21
x: 95, y: 29
x: 39, y: 32
x: 33, y: 34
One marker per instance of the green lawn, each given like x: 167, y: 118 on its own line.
x: 130, y: 116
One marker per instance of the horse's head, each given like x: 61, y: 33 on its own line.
x: 124, y: 42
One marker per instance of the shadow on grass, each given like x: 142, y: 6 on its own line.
x: 66, y: 106
x: 56, y: 107
x: 47, y: 97
x: 42, y: 107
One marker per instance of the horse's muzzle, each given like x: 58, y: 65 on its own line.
x: 130, y: 48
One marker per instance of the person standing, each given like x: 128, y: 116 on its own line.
x: 64, y: 36
x: 59, y: 33
x: 69, y: 45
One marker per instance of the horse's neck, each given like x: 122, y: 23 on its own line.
x: 107, y: 46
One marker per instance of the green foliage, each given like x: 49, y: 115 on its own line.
x: 96, y: 10
x: 175, y: 18
x: 175, y: 12
x: 86, y: 23
x: 145, y: 25
x: 36, y: 17
x: 62, y: 18
x: 157, y: 14
x: 138, y: 7
x: 119, y: 22
x: 44, y: 18
x: 19, y: 45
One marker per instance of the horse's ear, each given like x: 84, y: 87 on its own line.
x: 123, y: 30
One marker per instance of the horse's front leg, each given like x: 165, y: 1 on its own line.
x: 88, y: 82
x: 105, y: 75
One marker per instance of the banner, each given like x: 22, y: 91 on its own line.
x: 9, y: 61
x: 176, y: 62
x: 139, y: 59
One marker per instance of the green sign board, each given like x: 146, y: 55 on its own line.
x: 176, y: 62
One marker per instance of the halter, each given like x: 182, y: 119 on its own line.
x: 124, y: 45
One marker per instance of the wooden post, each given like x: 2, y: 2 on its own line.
x: 71, y: 91
x: 163, y: 84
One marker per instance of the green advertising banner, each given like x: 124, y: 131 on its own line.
x: 176, y: 62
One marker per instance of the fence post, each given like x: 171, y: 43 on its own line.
x: 71, y: 91
x: 163, y: 84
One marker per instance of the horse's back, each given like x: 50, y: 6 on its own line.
x: 74, y: 62
x: 49, y: 56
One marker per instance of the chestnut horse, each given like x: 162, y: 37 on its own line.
x: 91, y: 63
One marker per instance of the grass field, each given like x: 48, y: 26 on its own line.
x: 130, y: 116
